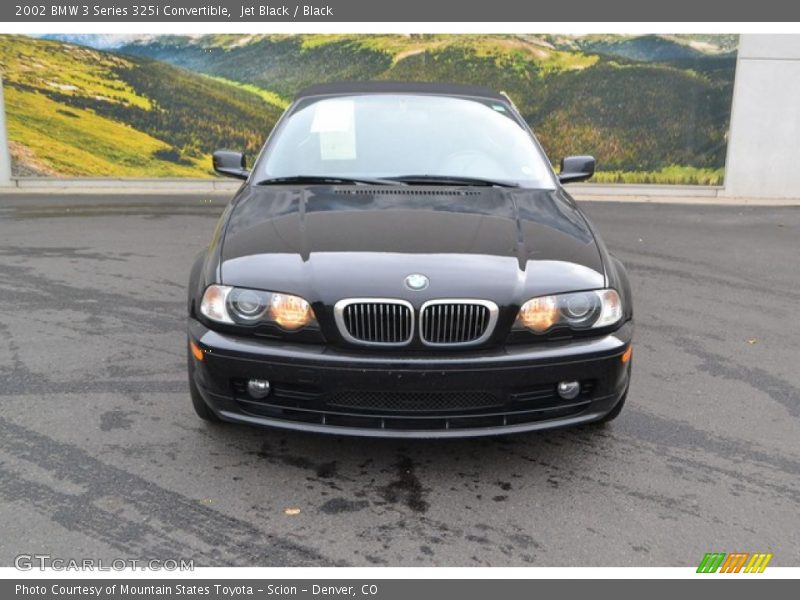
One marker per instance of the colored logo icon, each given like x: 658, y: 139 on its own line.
x: 736, y: 562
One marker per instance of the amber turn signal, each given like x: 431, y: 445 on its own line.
x: 626, y: 356
x: 196, y: 352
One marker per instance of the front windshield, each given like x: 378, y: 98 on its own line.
x: 395, y: 135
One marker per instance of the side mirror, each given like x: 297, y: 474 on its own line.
x: 576, y: 168
x: 231, y: 164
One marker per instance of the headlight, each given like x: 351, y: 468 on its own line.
x: 580, y: 310
x: 248, y: 305
x: 290, y: 312
x: 226, y: 304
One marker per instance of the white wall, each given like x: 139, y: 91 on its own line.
x: 764, y: 144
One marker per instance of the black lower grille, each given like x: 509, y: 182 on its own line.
x: 414, y: 401
x: 412, y: 410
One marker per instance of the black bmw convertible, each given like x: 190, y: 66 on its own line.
x: 402, y: 261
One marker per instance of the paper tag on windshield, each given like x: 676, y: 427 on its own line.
x: 333, y: 115
x: 334, y: 122
x: 337, y: 145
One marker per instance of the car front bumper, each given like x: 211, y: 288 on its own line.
x: 458, y: 394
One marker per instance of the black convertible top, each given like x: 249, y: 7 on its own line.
x: 387, y: 87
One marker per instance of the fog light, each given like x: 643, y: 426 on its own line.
x: 258, y: 388
x: 569, y: 390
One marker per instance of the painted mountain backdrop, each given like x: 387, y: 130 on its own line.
x: 650, y: 108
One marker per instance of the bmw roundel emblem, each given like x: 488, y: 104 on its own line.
x: 416, y: 282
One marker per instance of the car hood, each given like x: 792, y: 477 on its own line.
x: 326, y: 242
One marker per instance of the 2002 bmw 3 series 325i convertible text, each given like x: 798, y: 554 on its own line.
x: 402, y: 261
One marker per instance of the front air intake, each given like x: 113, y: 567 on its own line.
x: 456, y: 322
x: 375, y: 321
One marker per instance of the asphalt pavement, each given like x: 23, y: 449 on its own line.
x: 101, y: 455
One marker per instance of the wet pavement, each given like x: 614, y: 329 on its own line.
x: 101, y: 454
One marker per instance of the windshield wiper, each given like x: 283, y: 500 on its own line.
x: 300, y: 179
x: 451, y: 180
